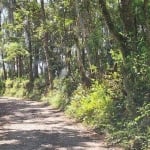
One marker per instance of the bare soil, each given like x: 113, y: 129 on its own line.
x: 30, y: 125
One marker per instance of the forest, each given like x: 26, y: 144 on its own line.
x: 91, y: 59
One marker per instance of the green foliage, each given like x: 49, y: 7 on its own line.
x: 95, y: 40
x: 92, y: 107
x: 78, y: 95
x: 117, y: 56
x: 68, y: 86
x: 134, y: 73
x: 143, y: 119
x: 39, y: 83
x: 16, y: 88
x: 14, y: 49
x: 55, y: 98
x: 59, y: 97
x: 138, y: 70
x: 8, y: 83
x: 37, y: 89
x: 21, y: 87
x: 134, y: 134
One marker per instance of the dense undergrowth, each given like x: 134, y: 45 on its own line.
x: 102, y: 107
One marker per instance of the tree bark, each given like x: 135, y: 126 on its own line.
x: 121, y: 39
x: 80, y: 46
x: 46, y: 49
x: 146, y: 25
x: 20, y: 67
x: 127, y: 45
x: 29, y: 44
x: 4, y: 68
x: 36, y: 59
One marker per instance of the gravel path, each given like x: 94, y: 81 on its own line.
x: 29, y: 125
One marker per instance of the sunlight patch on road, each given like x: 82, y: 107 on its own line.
x: 2, y: 142
x: 95, y: 144
x: 46, y: 146
x: 26, y: 127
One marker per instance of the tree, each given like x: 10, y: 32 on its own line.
x: 48, y: 54
x: 15, y: 51
x: 129, y: 43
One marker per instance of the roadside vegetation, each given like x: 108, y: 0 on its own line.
x: 99, y: 107
x: 87, y: 58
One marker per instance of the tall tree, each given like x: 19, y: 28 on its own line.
x: 48, y: 54
x: 129, y: 43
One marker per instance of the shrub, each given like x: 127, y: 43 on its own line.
x: 39, y: 83
x: 91, y: 106
x: 59, y: 97
x: 78, y: 95
x: 16, y: 87
x: 135, y: 133
x: 25, y: 83
x: 56, y: 98
x: 67, y: 86
x: 9, y: 83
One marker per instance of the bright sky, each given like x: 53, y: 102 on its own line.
x: 44, y: 1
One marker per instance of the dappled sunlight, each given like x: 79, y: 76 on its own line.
x: 40, y: 127
x: 3, y: 142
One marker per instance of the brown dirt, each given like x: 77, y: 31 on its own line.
x: 30, y: 125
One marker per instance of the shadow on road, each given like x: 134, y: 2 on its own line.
x: 28, y: 125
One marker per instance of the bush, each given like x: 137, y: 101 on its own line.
x: 59, y: 97
x: 9, y: 83
x: 68, y: 86
x: 39, y: 83
x: 135, y: 133
x: 16, y: 87
x: 141, y: 128
x: 25, y: 83
x: 78, y: 95
x: 56, y: 98
x: 91, y: 106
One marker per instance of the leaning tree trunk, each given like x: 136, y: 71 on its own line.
x: 127, y: 45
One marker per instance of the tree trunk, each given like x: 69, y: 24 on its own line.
x: 11, y: 7
x: 80, y: 46
x: 85, y: 80
x: 127, y: 44
x: 46, y: 49
x: 20, y: 67
x: 68, y: 60
x: 146, y: 24
x: 36, y: 60
x: 4, y: 68
x: 29, y: 44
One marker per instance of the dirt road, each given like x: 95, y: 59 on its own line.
x: 29, y: 125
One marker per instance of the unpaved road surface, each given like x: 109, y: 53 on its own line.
x: 29, y: 125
